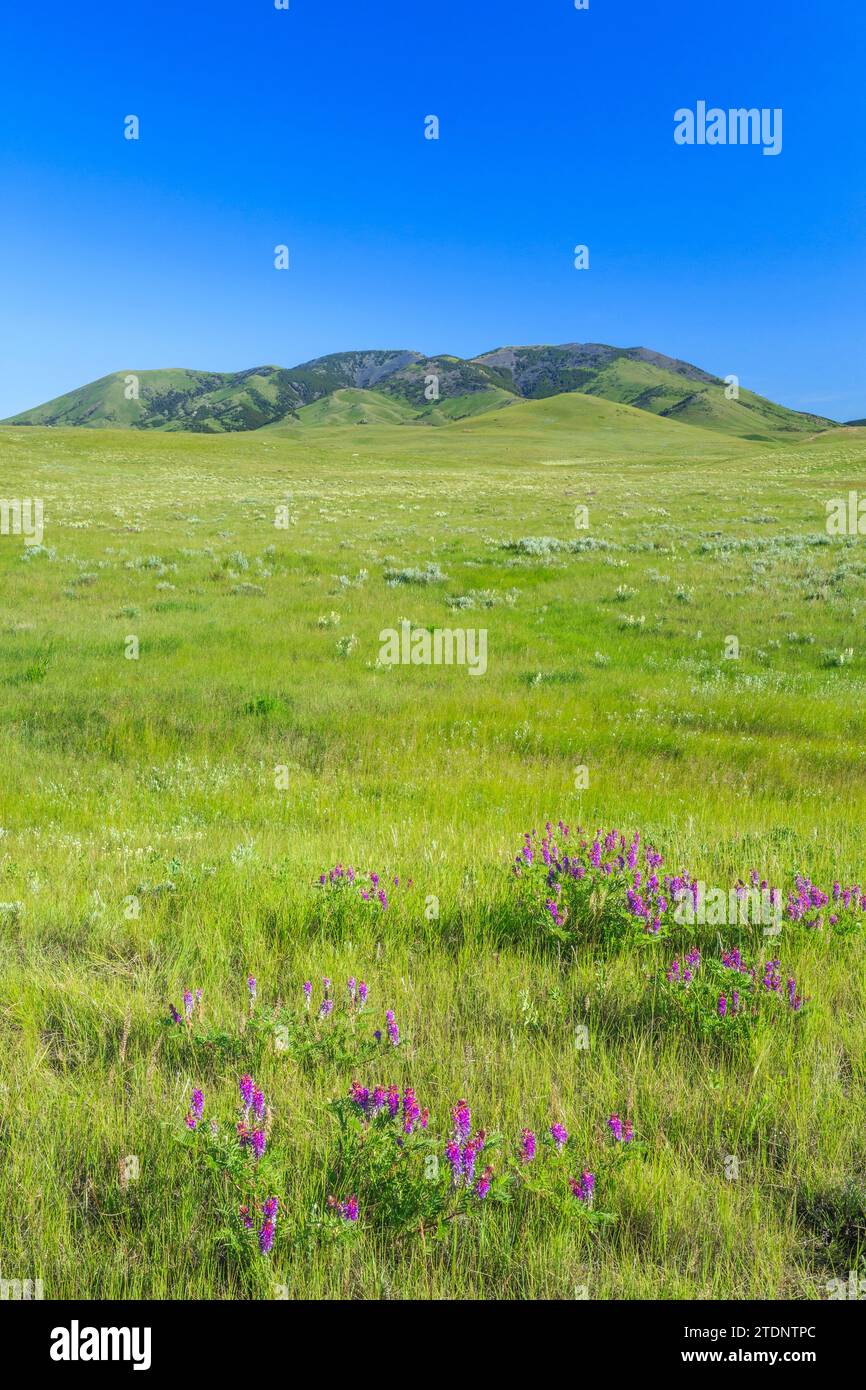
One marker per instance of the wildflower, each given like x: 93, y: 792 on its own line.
x: 482, y: 1187
x: 794, y: 999
x: 246, y: 1090
x: 246, y: 1218
x: 559, y: 1135
x: 772, y: 979
x: 258, y: 1104
x: 187, y: 1004
x: 196, y: 1109
x: 175, y: 1016
x: 454, y: 1155
x: 614, y: 1124
x: 462, y: 1117
x: 471, y: 1151
x: 362, y: 994
x: 360, y: 1096
x: 266, y: 1237
x: 347, y: 1210
x: 258, y: 1142
x: 411, y: 1109
x: 251, y: 986
x: 393, y: 1101
x: 378, y: 1098
x: 326, y: 1008
x: 527, y: 1146
x: 722, y: 1006
x: 393, y: 1030
x: 308, y: 993
x: 583, y: 1187
x: 352, y: 989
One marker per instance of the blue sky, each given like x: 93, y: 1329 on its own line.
x: 306, y: 127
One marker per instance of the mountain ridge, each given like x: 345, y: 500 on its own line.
x: 436, y: 389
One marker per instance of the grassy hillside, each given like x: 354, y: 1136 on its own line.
x: 349, y: 406
x: 107, y: 403
x: 165, y: 821
x: 703, y: 404
x: 436, y: 389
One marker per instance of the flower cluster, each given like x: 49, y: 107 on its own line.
x: 685, y: 973
x: 268, y: 1226
x: 583, y: 1187
x: 571, y: 867
x: 580, y: 880
x: 811, y: 906
x: 703, y: 991
x: 386, y: 1101
x: 196, y: 1109
x: 372, y: 888
x: 621, y: 1130
x: 462, y: 1151
x: 347, y: 1211
x: 192, y: 1008
x: 254, y: 1124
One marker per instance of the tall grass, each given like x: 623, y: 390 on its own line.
x: 146, y: 846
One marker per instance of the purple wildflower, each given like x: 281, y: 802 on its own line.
x: 462, y: 1118
x: 196, y: 1109
x: 583, y: 1187
x: 360, y: 1096
x: 559, y: 1135
x: 454, y: 1155
x: 482, y: 1187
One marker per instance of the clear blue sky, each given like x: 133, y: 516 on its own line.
x: 305, y: 127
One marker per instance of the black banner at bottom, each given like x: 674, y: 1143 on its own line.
x: 83, y: 1339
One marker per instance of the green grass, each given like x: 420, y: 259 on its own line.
x: 154, y: 779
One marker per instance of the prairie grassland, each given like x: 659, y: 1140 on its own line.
x: 145, y: 847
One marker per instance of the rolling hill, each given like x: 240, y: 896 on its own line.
x: 404, y: 387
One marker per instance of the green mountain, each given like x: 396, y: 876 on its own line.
x: 405, y: 388
x: 649, y: 381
